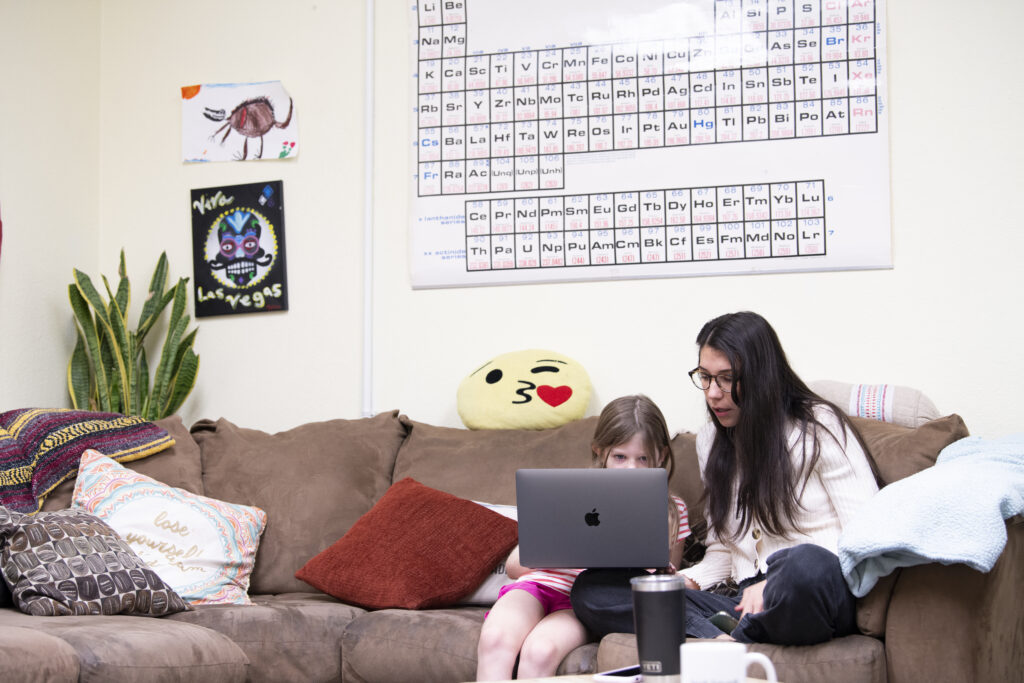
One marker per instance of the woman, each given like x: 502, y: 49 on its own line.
x: 783, y: 471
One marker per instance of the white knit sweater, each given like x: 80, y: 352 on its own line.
x: 840, y: 483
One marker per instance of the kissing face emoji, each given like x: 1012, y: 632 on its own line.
x: 532, y: 389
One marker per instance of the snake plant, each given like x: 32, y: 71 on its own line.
x: 108, y: 370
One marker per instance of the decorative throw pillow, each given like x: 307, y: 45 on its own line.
x: 530, y: 389
x: 899, y: 452
x: 487, y: 592
x: 68, y: 562
x: 417, y: 547
x: 900, y: 405
x: 39, y: 448
x: 204, y: 548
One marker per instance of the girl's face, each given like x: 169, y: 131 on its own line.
x: 715, y: 363
x: 630, y: 455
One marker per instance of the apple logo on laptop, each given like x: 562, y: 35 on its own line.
x: 591, y: 518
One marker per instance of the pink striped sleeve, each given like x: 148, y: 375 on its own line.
x: 684, y: 519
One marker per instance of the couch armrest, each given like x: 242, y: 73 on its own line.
x: 952, y: 623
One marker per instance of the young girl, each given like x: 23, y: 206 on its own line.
x: 783, y: 471
x: 533, y: 617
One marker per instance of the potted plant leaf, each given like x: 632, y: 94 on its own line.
x: 108, y: 370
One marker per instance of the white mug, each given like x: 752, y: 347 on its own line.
x: 720, y: 662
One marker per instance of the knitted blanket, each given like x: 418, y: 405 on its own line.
x: 953, y: 512
x: 40, y: 448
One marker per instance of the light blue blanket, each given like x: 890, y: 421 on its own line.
x: 951, y: 513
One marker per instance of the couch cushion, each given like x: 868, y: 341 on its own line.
x: 418, y: 547
x: 70, y: 562
x: 852, y: 659
x: 873, y: 608
x: 39, y: 448
x: 899, y: 452
x: 426, y: 646
x: 177, y: 466
x: 287, y: 637
x: 123, y: 649
x: 481, y: 465
x: 202, y: 547
x: 20, y: 658
x: 313, y: 481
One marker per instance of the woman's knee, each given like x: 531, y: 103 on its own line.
x: 804, y: 564
x: 807, y: 575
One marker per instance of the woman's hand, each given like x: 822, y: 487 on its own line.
x: 752, y: 601
x: 670, y: 569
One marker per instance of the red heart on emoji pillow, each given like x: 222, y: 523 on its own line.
x: 554, y: 396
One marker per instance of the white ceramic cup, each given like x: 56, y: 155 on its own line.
x: 720, y: 662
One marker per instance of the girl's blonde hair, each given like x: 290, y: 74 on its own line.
x: 625, y: 417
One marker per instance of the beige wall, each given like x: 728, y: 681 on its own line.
x: 945, y: 319
x: 272, y: 370
x: 49, y: 188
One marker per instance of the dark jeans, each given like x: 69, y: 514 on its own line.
x: 806, y: 601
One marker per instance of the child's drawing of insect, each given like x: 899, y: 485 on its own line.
x: 252, y: 118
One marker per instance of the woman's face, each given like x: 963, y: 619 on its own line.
x: 629, y: 455
x: 715, y: 363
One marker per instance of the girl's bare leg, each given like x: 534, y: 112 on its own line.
x: 510, y: 621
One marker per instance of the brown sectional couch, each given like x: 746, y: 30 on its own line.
x: 936, y: 623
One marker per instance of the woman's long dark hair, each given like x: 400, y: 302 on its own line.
x: 753, y: 455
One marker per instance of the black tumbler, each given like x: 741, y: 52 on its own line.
x: 659, y: 615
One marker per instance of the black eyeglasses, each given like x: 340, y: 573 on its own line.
x: 702, y: 380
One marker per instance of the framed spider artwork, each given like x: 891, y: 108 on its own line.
x: 238, y: 122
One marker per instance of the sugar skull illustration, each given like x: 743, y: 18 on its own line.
x: 235, y: 250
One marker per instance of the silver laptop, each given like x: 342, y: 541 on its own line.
x: 585, y: 518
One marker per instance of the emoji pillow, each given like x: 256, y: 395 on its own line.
x: 532, y: 389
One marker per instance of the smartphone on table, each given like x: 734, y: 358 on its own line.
x: 626, y: 673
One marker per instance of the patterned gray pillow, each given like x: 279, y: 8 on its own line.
x: 66, y: 562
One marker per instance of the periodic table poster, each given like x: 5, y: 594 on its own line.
x: 597, y: 139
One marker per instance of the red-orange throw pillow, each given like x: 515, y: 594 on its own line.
x: 416, y: 548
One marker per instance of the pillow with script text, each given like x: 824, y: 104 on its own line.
x: 203, y: 548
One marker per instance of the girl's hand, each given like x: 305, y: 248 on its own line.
x: 512, y: 567
x: 670, y: 569
x: 752, y: 601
